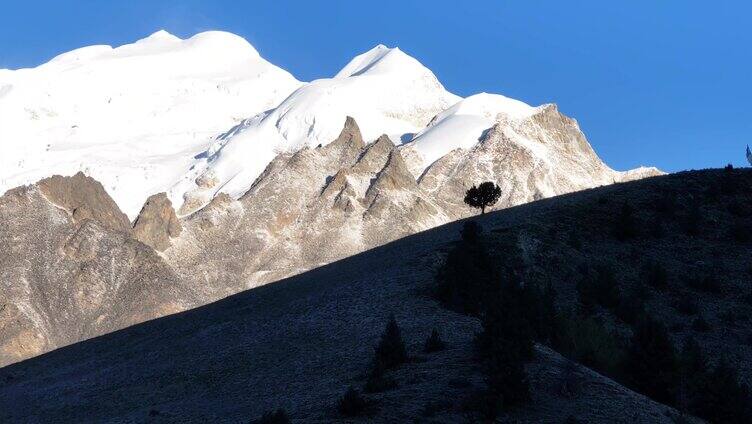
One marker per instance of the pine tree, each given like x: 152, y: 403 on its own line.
x: 391, y: 351
x: 434, y: 342
x: 351, y: 404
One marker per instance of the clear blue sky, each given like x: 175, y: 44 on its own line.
x: 665, y: 83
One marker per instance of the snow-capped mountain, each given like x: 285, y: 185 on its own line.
x: 133, y: 117
x: 245, y: 174
x: 206, y: 115
x: 384, y: 90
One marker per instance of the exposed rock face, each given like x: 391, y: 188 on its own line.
x: 74, y: 270
x: 318, y: 205
x: 67, y: 275
x: 83, y: 197
x: 157, y: 223
x: 540, y: 156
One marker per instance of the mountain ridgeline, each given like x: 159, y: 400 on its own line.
x: 348, y: 195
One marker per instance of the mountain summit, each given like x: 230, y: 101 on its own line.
x: 226, y: 173
x: 132, y: 116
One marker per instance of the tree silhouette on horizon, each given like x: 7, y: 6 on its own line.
x: 483, y: 196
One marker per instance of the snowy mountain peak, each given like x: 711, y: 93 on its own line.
x: 133, y: 117
x: 159, y: 36
x: 205, y: 115
x: 383, y: 60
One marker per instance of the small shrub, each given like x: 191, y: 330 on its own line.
x: 391, y: 351
x: 434, y: 342
x: 351, y: 404
x: 278, y: 417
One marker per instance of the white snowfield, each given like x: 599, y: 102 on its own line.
x: 206, y: 115
x: 132, y: 117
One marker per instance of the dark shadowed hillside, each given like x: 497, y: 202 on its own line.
x: 673, y: 248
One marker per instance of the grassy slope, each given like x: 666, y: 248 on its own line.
x: 298, y: 343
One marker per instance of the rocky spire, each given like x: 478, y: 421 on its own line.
x: 157, y: 223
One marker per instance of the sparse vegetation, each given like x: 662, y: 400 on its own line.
x: 588, y: 341
x: 616, y: 330
x: 650, y: 363
x: 468, y: 275
x: 391, y: 350
x: 434, y: 342
x: 351, y: 404
x: 597, y: 286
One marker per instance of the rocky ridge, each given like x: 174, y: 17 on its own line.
x: 308, y: 208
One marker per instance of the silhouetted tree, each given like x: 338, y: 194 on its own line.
x: 391, y: 349
x: 434, y: 342
x: 378, y: 381
x: 506, y: 344
x: 486, y: 194
x: 469, y: 275
x: 351, y: 404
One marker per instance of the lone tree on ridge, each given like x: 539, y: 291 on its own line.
x: 486, y: 194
